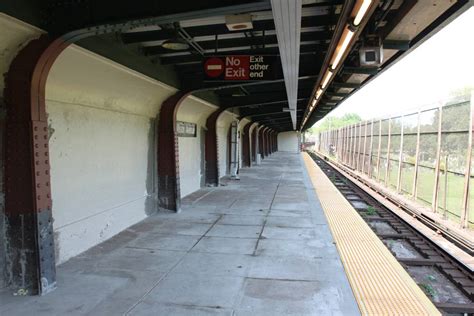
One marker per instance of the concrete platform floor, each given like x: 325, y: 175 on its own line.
x: 258, y: 246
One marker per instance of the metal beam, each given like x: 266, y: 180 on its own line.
x: 101, y: 17
x: 270, y: 110
x: 249, y: 101
x: 190, y: 58
x: 360, y: 70
x: 348, y: 85
x: 398, y: 45
x: 335, y: 94
x: 220, y: 29
x: 211, y: 45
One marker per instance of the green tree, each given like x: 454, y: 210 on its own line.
x: 332, y: 122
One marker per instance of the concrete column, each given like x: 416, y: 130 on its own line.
x: 262, y: 133
x: 254, y: 146
x: 234, y: 149
x: 246, y: 148
x: 269, y: 142
x: 31, y: 262
x: 169, y: 195
x: 270, y: 145
x: 276, y: 142
x: 261, y: 144
x: 267, y: 137
x: 265, y: 142
x: 273, y: 141
x: 211, y: 148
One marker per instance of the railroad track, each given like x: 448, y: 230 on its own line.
x: 447, y: 282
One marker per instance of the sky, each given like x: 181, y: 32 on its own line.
x: 427, y: 75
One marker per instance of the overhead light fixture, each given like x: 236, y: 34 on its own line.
x: 239, y: 22
x: 318, y: 93
x: 359, y: 11
x: 326, y: 79
x: 175, y: 44
x: 342, y: 47
x: 362, y: 7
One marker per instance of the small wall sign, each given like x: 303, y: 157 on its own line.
x: 185, y: 129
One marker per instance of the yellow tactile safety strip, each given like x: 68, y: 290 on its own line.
x: 380, y: 284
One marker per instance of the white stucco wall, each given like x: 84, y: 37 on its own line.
x: 102, y: 119
x: 223, y: 125
x: 288, y: 141
x: 194, y: 111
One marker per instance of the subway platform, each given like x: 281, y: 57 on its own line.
x: 257, y: 246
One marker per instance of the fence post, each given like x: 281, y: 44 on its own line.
x: 467, y: 177
x: 417, y: 158
x: 369, y: 167
x: 324, y: 141
x: 387, y: 170
x: 339, y: 144
x: 445, y: 207
x: 365, y: 147
x: 400, y: 157
x: 379, y: 150
x: 346, y: 139
x: 327, y: 142
x: 349, y: 149
x: 438, y: 162
x: 343, y: 145
x: 354, y: 144
x: 320, y: 141
x: 359, y: 142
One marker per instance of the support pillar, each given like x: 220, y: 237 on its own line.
x: 212, y: 149
x: 270, y: 141
x: 269, y: 137
x: 31, y: 262
x: 265, y: 135
x: 246, y: 150
x: 169, y: 194
x: 276, y: 141
x: 261, y: 145
x: 254, y: 147
x: 267, y: 152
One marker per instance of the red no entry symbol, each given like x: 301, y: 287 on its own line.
x: 214, y: 67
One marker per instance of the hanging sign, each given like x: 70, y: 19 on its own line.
x: 240, y: 68
x: 185, y: 129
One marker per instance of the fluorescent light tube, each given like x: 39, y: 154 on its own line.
x: 318, y: 93
x: 326, y: 79
x: 342, y: 46
x: 361, y: 11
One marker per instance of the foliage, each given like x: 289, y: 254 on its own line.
x: 371, y: 211
x: 332, y: 122
x: 428, y: 289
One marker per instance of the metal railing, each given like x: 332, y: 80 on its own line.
x: 425, y: 155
